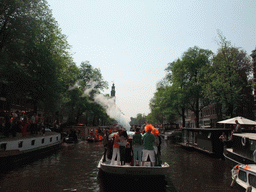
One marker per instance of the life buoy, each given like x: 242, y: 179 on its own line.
x: 243, y: 141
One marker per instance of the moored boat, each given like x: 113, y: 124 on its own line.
x: 94, y: 139
x: 17, y: 149
x: 174, y: 135
x: 204, y: 139
x: 244, y: 176
x: 128, y: 170
x: 242, y: 151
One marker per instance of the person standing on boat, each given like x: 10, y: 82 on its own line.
x: 123, y: 140
x: 128, y: 154
x: 33, y: 124
x: 105, y: 143
x: 7, y: 125
x: 238, y: 127
x: 236, y: 130
x: 155, y: 132
x: 148, y: 149
x: 116, y: 152
x: 137, y: 146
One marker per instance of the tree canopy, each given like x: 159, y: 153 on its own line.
x: 199, y: 78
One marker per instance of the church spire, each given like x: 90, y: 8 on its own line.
x: 113, y: 92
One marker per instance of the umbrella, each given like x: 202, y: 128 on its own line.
x: 241, y: 120
x: 129, y: 133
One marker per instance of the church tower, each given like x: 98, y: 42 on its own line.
x: 113, y: 92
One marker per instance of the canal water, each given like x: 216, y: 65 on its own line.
x: 74, y: 168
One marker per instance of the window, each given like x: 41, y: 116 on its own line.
x: 42, y: 140
x: 252, y: 180
x: 57, y: 138
x: 51, y: 139
x: 33, y: 142
x: 20, y: 144
x: 242, y: 175
x: 3, y: 146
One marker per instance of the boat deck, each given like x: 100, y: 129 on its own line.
x: 19, y: 136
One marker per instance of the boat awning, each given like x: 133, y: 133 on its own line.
x: 241, y: 120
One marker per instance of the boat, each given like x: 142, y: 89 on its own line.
x: 242, y: 150
x: 244, y: 175
x: 174, y: 135
x: 71, y: 138
x: 204, y: 139
x: 14, y: 150
x: 94, y: 139
x: 129, y: 170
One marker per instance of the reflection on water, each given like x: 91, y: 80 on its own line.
x: 74, y: 168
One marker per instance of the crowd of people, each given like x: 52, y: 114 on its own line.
x: 135, y: 151
x: 20, y: 122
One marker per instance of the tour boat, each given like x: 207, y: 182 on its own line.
x: 17, y: 149
x: 244, y: 176
x: 128, y: 170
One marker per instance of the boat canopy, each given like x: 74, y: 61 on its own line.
x: 241, y: 120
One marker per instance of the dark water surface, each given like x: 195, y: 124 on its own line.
x: 74, y: 168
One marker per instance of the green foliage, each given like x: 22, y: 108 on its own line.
x: 228, y: 80
x: 186, y: 78
x: 200, y: 78
x: 35, y: 58
x: 139, y: 120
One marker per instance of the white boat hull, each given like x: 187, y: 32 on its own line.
x: 133, y: 170
x: 247, y: 180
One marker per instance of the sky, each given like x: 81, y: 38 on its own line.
x: 132, y: 41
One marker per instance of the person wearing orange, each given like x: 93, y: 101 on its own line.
x: 25, y: 125
x: 156, y: 144
x: 116, y: 152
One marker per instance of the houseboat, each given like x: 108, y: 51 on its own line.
x: 204, y: 139
x: 242, y: 150
x: 17, y: 149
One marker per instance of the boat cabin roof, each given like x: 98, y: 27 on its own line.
x: 252, y: 168
x: 247, y: 135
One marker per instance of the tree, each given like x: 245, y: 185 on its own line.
x: 34, y: 53
x: 185, y: 75
x: 228, y: 80
x: 88, y: 78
